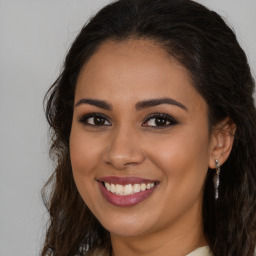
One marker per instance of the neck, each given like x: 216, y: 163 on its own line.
x: 179, y: 239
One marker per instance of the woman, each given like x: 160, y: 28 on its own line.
x: 153, y: 127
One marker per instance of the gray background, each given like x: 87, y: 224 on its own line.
x: 34, y: 37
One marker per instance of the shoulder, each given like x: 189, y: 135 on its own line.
x: 202, y: 251
x: 97, y: 252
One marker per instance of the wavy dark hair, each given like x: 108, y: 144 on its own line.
x: 201, y: 41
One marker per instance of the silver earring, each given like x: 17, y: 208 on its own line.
x: 216, y: 179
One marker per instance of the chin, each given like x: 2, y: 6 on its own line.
x: 127, y: 231
x: 126, y: 226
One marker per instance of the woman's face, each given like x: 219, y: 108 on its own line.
x: 140, y: 143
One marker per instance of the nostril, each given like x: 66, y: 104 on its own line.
x: 121, y: 158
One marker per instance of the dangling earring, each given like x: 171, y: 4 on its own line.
x: 216, y: 179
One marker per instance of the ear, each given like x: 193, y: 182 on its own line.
x: 222, y: 139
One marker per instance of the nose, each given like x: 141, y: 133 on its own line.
x: 123, y: 149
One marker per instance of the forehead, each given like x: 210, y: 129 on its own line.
x: 132, y: 70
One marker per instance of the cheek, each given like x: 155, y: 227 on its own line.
x: 183, y: 161
x: 84, y: 159
x: 84, y: 152
x: 183, y: 158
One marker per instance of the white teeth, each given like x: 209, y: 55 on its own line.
x: 128, y: 189
x: 143, y: 187
x: 113, y: 188
x: 119, y: 189
x: 108, y: 186
x: 136, y: 188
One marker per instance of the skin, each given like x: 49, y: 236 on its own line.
x: 127, y: 144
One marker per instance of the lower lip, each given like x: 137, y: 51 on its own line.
x: 124, y: 201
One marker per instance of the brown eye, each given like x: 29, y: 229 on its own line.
x: 159, y: 121
x: 95, y: 120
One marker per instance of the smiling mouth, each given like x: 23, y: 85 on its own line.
x: 126, y: 191
x: 129, y: 189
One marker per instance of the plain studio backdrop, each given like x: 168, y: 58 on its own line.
x: 34, y: 38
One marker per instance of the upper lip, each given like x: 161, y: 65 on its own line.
x: 126, y: 180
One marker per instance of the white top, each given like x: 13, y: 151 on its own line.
x: 202, y: 251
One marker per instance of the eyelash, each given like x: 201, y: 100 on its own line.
x: 161, y: 116
x: 84, y: 119
x: 168, y: 120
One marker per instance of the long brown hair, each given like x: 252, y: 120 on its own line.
x: 201, y: 41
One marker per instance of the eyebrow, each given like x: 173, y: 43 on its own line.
x: 155, y: 102
x: 139, y: 106
x: 98, y: 103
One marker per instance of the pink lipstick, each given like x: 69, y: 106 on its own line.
x: 126, y: 191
